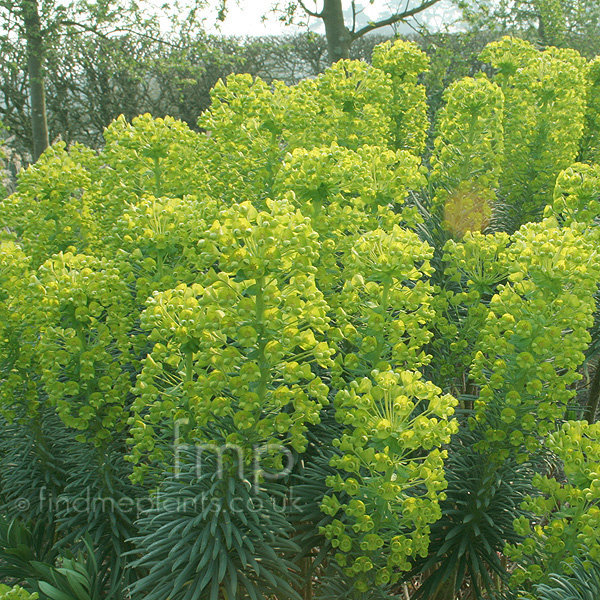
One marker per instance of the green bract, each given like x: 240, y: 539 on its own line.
x: 386, y: 496
x: 576, y: 194
x: 83, y: 311
x: 51, y: 212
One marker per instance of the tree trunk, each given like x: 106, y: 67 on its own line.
x: 337, y: 34
x: 35, y: 71
x: 551, y: 22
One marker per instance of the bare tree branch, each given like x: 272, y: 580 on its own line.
x: 107, y: 36
x: 393, y: 19
x: 69, y: 23
x: 307, y: 10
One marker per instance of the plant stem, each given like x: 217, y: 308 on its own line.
x: 157, y: 181
x: 307, y: 592
x: 594, y: 397
x: 262, y: 362
x: 384, y: 305
x: 159, y: 265
x: 189, y: 366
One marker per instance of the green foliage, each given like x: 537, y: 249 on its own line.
x: 229, y: 539
x: 525, y: 378
x: 22, y: 548
x: 483, y: 499
x: 581, y: 581
x: 75, y: 579
x: 241, y: 351
x: 553, y: 28
x: 58, y: 492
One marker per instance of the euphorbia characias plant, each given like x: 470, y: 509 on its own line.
x: 299, y: 281
x: 245, y: 345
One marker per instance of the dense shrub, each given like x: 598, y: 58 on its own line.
x: 283, y: 357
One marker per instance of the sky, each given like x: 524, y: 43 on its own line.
x: 245, y: 17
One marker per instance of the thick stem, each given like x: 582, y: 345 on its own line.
x: 189, y: 366
x: 35, y: 72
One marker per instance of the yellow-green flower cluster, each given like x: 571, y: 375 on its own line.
x: 566, y: 514
x: 247, y: 344
x: 477, y: 262
x: 346, y: 193
x: 243, y: 144
x: 466, y: 163
x: 158, y: 239
x: 404, y: 62
x: 576, y: 194
x: 16, y: 593
x: 251, y: 125
x: 534, y: 336
x: 384, y: 308
x: 391, y: 475
x: 590, y: 150
x: 363, y: 179
x: 390, y: 464
x: 157, y: 156
x: 15, y: 341
x: 50, y: 211
x: 83, y: 311
x: 544, y: 114
x: 475, y: 266
x: 354, y: 107
x: 228, y: 285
